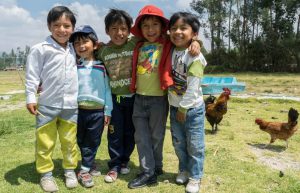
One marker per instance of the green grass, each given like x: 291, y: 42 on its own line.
x: 11, y: 80
x: 230, y: 164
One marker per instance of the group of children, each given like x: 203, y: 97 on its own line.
x: 129, y: 85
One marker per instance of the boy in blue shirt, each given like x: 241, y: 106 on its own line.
x: 94, y: 100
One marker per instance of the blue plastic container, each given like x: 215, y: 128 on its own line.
x: 215, y: 85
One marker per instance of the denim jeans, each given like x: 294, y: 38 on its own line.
x: 188, y: 140
x: 149, y: 119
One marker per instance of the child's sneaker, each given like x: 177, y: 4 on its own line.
x: 111, y: 176
x: 193, y: 186
x: 94, y: 171
x: 71, y: 179
x: 124, y: 169
x: 158, y: 171
x: 48, y: 184
x: 85, y: 179
x: 182, y: 177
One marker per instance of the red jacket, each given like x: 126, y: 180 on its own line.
x: 164, y: 67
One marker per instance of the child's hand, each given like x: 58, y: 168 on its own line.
x: 31, y: 107
x: 180, y: 117
x: 194, y: 48
x: 106, y: 120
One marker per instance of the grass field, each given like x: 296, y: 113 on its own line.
x: 235, y: 161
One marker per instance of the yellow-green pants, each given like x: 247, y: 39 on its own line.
x: 56, y: 121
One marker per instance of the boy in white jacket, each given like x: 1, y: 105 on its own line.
x: 52, y: 63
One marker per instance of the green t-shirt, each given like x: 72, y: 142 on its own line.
x: 118, y: 63
x: 148, y: 82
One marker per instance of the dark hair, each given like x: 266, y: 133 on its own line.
x: 81, y: 35
x: 189, y: 18
x: 56, y: 12
x: 117, y: 15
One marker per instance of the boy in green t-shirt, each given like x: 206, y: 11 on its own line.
x: 117, y: 58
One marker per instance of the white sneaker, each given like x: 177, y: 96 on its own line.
x: 48, y: 184
x: 125, y: 170
x: 182, y: 177
x: 111, y: 176
x: 193, y: 186
x: 71, y: 179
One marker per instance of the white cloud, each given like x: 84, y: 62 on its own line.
x: 122, y: 1
x: 18, y: 28
x: 86, y: 14
x: 183, y: 4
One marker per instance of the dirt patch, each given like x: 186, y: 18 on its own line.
x: 10, y: 107
x: 282, y: 161
x: 16, y: 92
x: 267, y: 96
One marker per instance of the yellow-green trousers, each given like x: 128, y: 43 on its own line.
x: 52, y: 123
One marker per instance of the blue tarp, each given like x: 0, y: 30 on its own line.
x: 215, y: 85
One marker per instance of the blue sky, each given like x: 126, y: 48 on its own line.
x: 24, y: 22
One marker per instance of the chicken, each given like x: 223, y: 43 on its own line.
x: 279, y: 130
x: 216, y: 109
x: 209, y: 100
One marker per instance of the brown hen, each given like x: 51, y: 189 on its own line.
x: 278, y: 130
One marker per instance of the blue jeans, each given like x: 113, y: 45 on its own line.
x: 188, y: 140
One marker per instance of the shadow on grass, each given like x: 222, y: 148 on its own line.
x: 273, y: 148
x: 27, y: 172
x: 166, y: 177
x: 209, y: 132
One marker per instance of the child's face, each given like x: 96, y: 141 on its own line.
x: 151, y: 28
x: 118, y: 33
x: 61, y: 30
x: 181, y: 34
x: 84, y: 48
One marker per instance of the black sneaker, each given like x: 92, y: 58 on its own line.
x: 142, y: 180
x: 159, y: 171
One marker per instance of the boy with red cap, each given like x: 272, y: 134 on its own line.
x: 151, y: 76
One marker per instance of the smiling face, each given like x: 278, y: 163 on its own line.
x: 151, y: 28
x: 61, y: 30
x: 84, y: 48
x: 118, y: 33
x: 181, y: 34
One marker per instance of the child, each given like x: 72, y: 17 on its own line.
x: 94, y: 100
x: 186, y: 101
x: 151, y: 76
x: 53, y: 64
x: 117, y: 57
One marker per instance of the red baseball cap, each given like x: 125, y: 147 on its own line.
x: 149, y: 10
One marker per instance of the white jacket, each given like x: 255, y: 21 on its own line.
x: 55, y: 67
